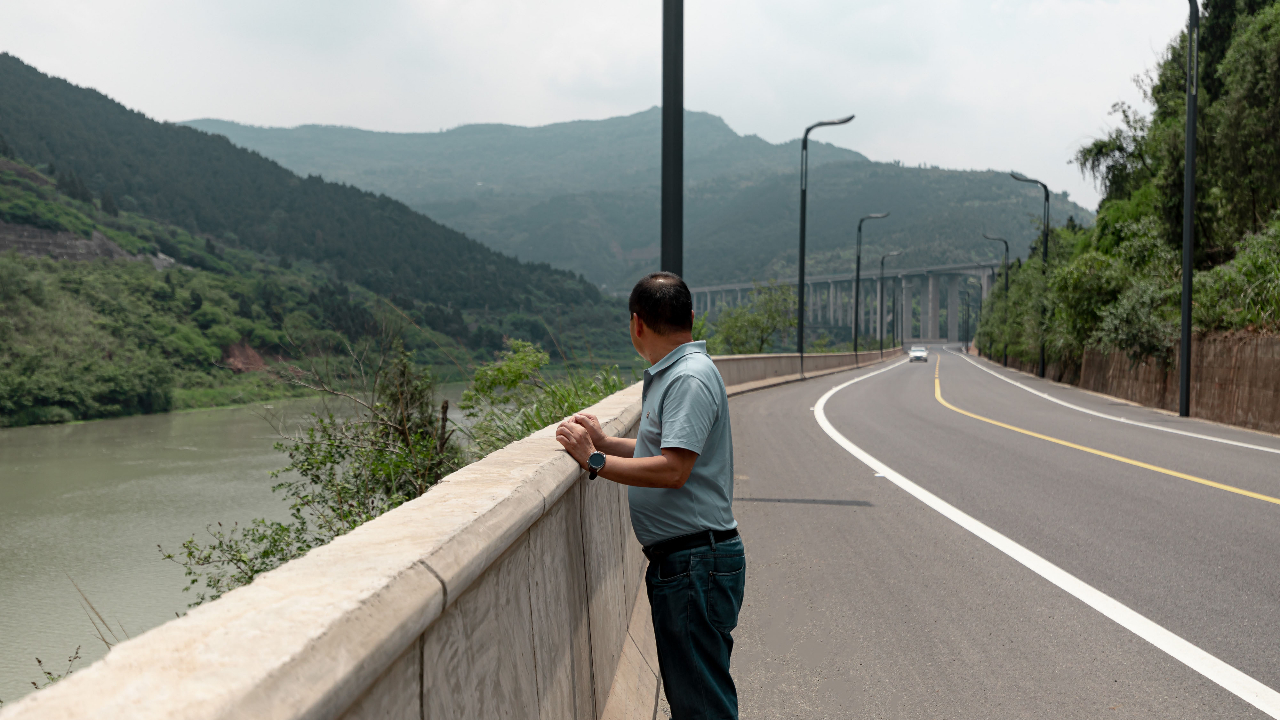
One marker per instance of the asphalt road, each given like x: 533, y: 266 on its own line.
x: 862, y: 601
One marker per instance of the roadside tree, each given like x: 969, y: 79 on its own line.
x: 755, y: 326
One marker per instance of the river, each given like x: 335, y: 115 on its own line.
x: 89, y: 503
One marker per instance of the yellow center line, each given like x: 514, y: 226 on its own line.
x: 937, y: 393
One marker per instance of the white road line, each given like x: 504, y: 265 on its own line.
x: 1116, y: 418
x: 1234, y: 681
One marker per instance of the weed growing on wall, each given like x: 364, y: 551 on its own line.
x: 511, y: 398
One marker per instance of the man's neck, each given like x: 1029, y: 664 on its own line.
x: 664, y: 344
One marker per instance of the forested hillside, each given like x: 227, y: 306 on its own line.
x: 1117, y: 286
x: 206, y: 185
x: 584, y: 195
x: 149, y: 330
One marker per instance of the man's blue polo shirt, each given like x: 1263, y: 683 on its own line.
x: 685, y: 406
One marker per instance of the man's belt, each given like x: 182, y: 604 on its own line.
x: 659, y: 550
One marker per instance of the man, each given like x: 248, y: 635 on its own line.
x: 679, y: 470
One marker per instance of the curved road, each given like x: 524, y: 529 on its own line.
x: 865, y: 601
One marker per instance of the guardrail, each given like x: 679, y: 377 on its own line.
x: 514, y: 588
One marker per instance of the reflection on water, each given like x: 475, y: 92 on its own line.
x: 90, y: 502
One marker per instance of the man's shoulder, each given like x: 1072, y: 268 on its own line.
x: 701, y: 367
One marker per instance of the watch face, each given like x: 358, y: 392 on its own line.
x: 596, y: 460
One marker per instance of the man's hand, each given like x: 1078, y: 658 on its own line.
x: 591, y: 424
x: 576, y: 440
x: 669, y: 470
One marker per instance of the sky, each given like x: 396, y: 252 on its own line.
x: 1004, y: 84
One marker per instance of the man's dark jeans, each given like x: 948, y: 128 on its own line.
x: 695, y: 595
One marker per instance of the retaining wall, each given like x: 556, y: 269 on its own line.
x: 1235, y: 379
x: 514, y: 588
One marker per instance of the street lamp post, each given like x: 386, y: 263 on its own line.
x: 672, y: 259
x: 857, y: 281
x: 804, y: 192
x: 1044, y: 254
x: 880, y: 303
x: 1005, y: 266
x: 1188, y: 212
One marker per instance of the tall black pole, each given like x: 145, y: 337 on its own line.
x: 1005, y: 263
x: 1044, y: 270
x: 857, y: 293
x: 1044, y: 266
x: 880, y: 308
x: 897, y: 322
x: 673, y: 136
x: 804, y: 196
x: 857, y: 281
x: 880, y: 301
x: 804, y: 193
x: 1188, y: 213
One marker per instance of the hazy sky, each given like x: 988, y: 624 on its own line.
x: 996, y: 84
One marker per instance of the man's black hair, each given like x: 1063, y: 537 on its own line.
x: 663, y: 302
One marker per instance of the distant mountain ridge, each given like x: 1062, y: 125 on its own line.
x: 475, y: 161
x: 584, y: 195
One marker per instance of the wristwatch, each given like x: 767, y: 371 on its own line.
x: 595, y: 463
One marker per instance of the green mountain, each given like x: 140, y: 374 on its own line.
x: 584, y: 195
x: 97, y: 321
x: 209, y: 187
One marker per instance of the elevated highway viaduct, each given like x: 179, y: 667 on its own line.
x: 911, y: 301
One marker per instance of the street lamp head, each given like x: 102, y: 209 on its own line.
x: 992, y: 237
x: 839, y: 121
x: 1023, y: 178
x: 824, y: 123
x: 895, y: 252
x: 872, y: 216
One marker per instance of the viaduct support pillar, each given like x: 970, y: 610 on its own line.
x: 953, y: 309
x: 908, y: 309
x: 929, y: 329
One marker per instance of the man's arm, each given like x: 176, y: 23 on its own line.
x: 669, y: 470
x: 620, y: 447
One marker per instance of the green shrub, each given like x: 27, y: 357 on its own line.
x: 387, y: 445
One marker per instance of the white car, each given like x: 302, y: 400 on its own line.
x: 918, y: 352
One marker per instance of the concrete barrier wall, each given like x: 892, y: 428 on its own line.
x: 747, y: 372
x: 514, y: 588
